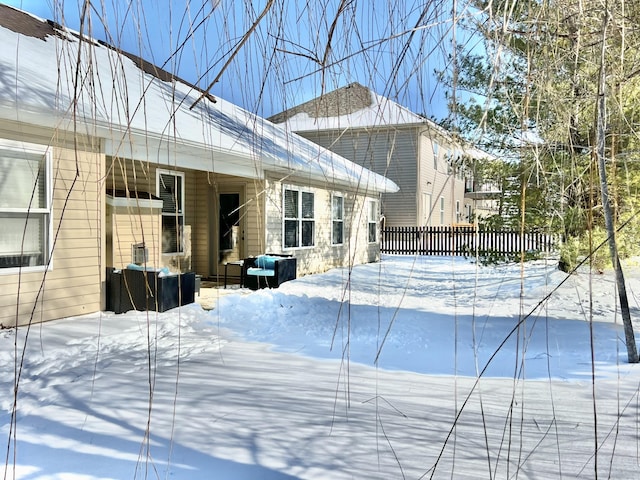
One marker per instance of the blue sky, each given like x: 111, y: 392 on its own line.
x: 279, y: 66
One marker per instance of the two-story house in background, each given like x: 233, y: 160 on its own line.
x: 427, y: 162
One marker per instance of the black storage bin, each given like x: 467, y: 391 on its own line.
x: 129, y: 289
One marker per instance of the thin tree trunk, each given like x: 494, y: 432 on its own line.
x: 632, y: 352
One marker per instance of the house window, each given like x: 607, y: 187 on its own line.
x: 457, y: 211
x: 441, y: 210
x: 299, y: 218
x: 171, y: 191
x: 468, y: 183
x: 469, y: 214
x: 436, y: 147
x: 337, y: 220
x: 373, y: 221
x: 426, y: 209
x: 455, y: 164
x: 25, y: 205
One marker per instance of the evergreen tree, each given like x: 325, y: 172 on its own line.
x: 529, y: 93
x: 558, y: 81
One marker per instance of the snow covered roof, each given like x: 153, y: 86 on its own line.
x: 475, y: 153
x: 353, y: 106
x: 356, y: 106
x: 54, y: 77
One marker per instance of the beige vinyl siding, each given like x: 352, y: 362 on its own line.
x: 72, y: 286
x: 127, y: 226
x: 204, y: 229
x: 273, y: 220
x: 201, y: 234
x: 439, y: 182
x: 323, y: 255
x: 389, y: 152
x: 201, y: 218
x: 359, y: 249
x: 200, y: 212
x: 432, y: 181
x: 255, y: 211
x: 458, y: 198
x: 135, y: 174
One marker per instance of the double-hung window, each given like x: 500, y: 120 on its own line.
x: 337, y: 219
x: 426, y: 209
x: 436, y: 148
x: 373, y: 221
x: 299, y: 218
x: 25, y: 205
x: 170, y: 187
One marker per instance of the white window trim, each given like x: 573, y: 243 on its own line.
x: 442, y: 210
x: 373, y: 220
x: 333, y: 220
x: 48, y: 210
x: 300, y: 190
x: 180, y: 174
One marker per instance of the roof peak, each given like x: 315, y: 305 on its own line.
x: 353, y: 105
x: 339, y: 102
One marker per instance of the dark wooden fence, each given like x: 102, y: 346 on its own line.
x: 464, y: 240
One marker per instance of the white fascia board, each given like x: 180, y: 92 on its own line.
x: 369, y: 183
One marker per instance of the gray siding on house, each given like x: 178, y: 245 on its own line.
x: 389, y: 152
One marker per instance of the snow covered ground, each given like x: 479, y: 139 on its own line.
x: 362, y: 374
